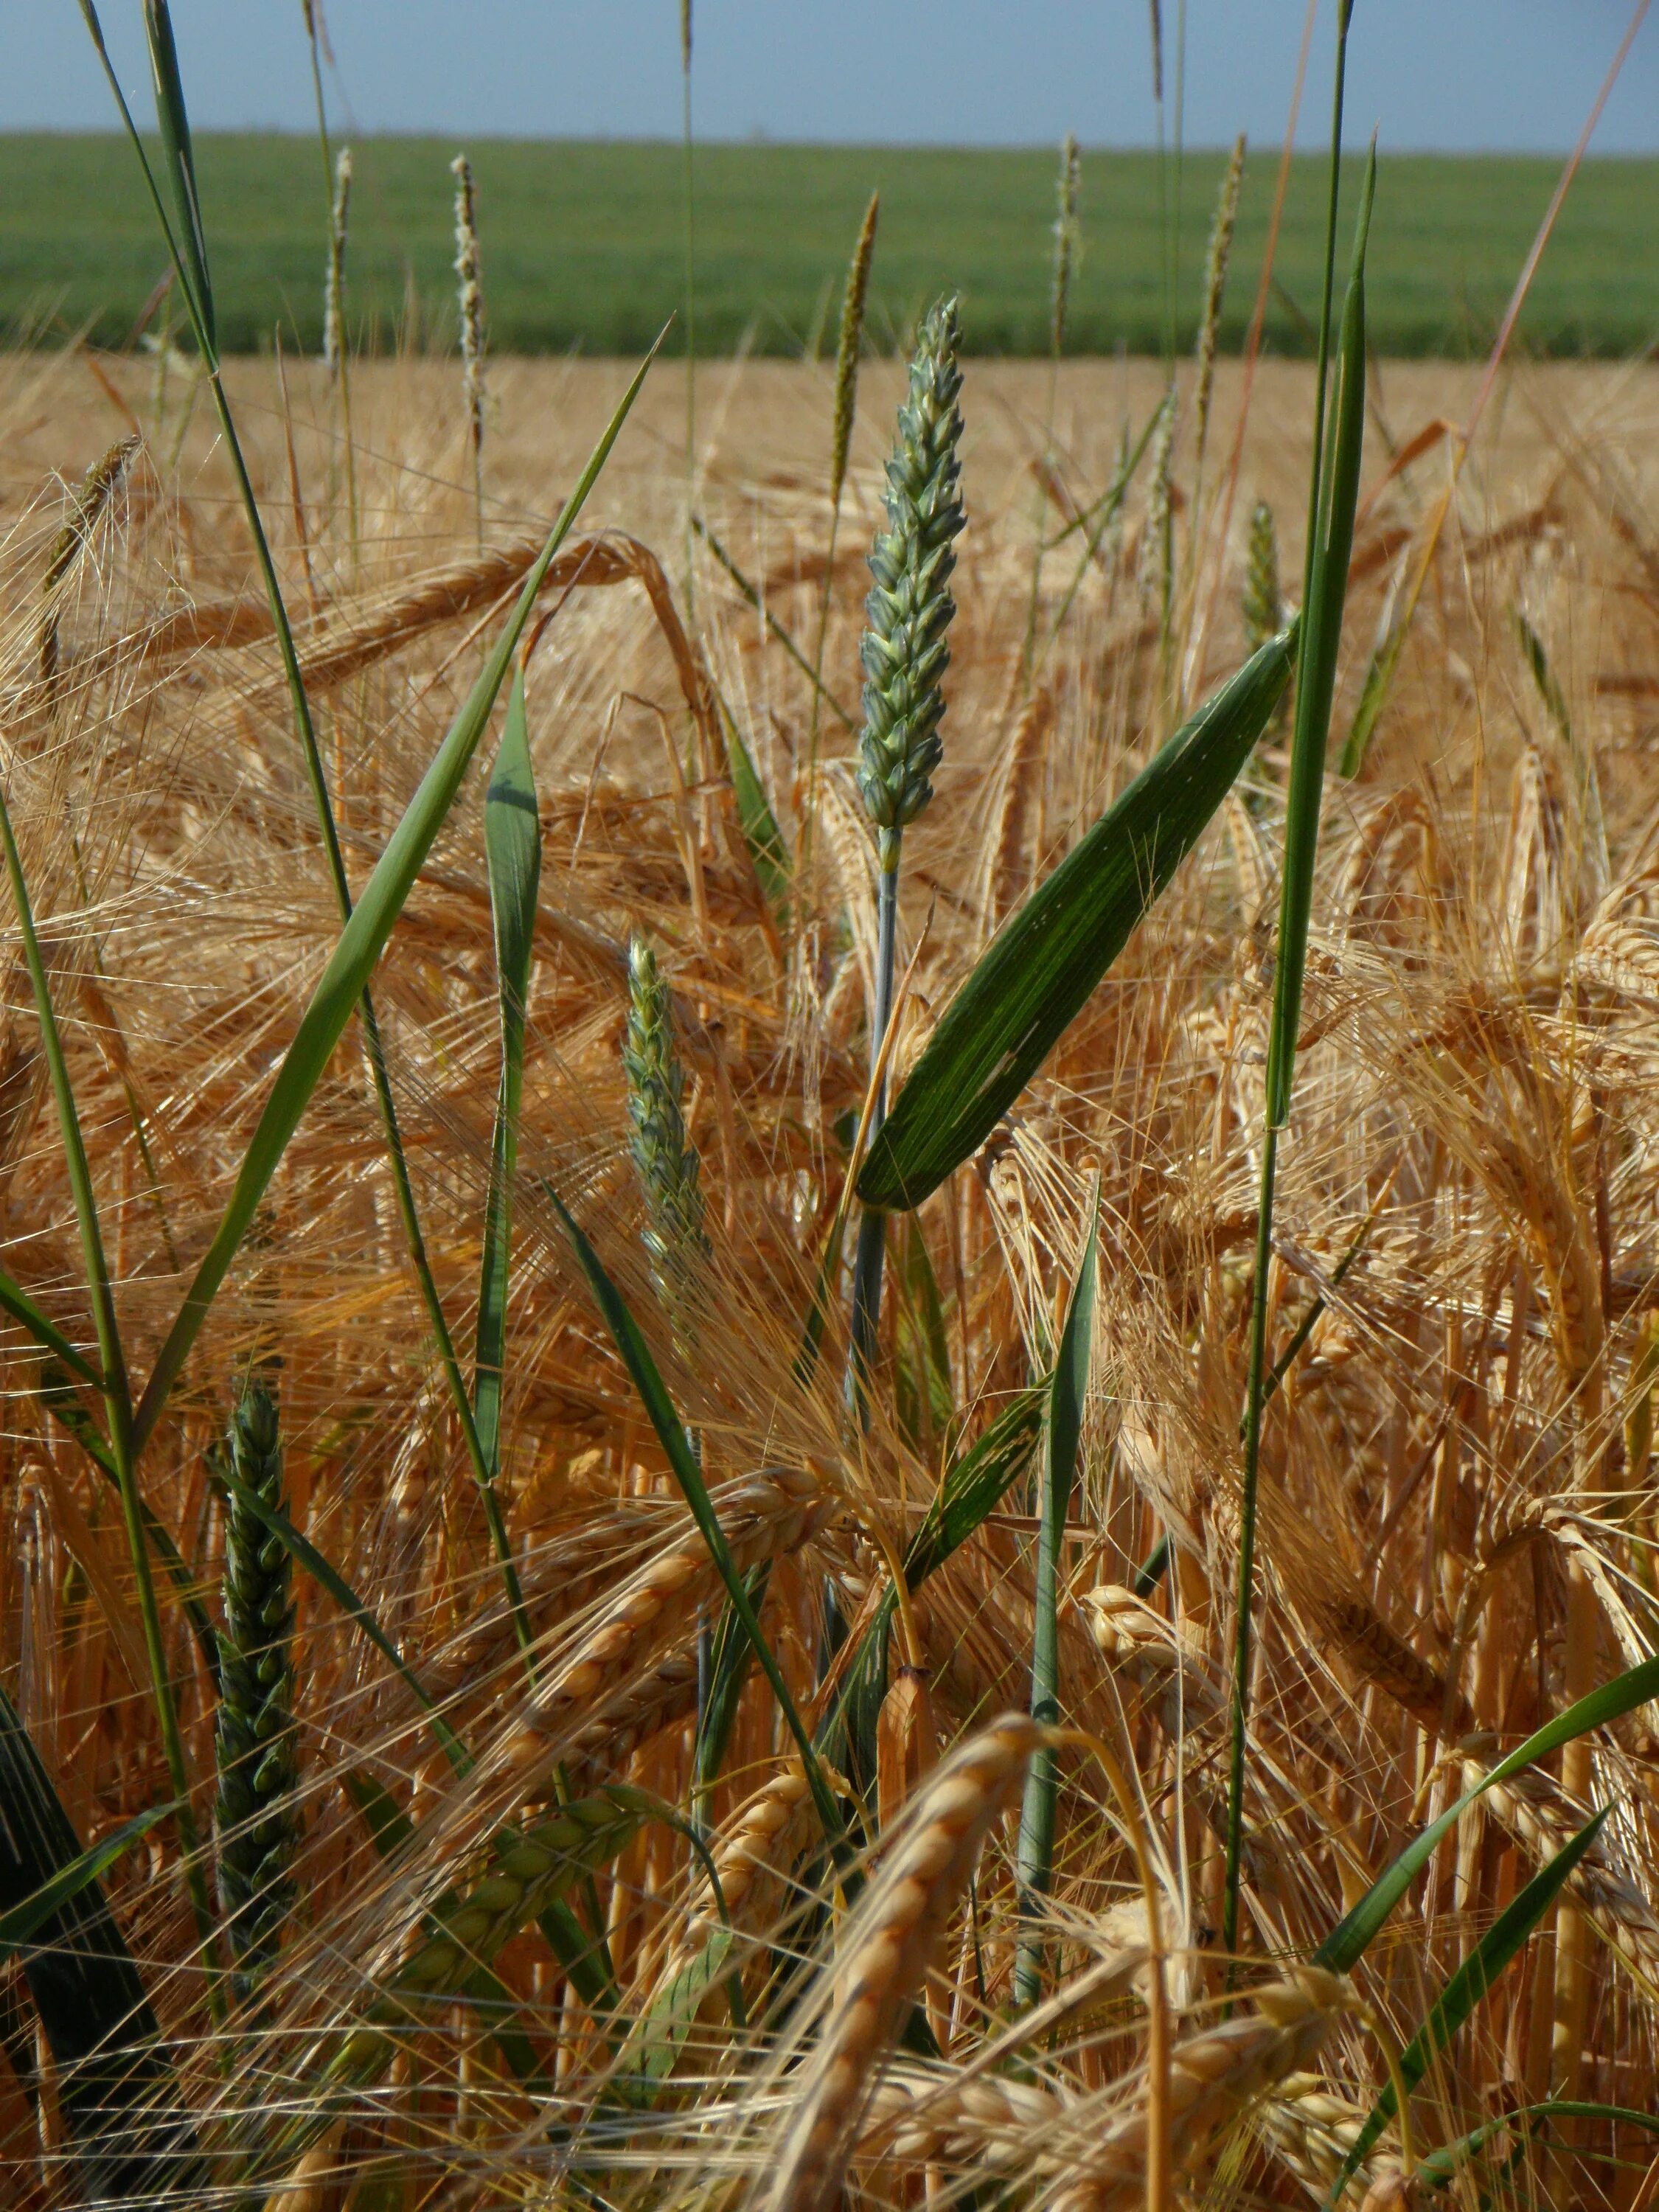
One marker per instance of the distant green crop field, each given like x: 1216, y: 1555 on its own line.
x: 583, y: 245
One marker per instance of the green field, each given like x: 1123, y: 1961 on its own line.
x: 583, y: 243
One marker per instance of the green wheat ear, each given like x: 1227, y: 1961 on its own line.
x: 257, y: 1814
x: 1263, y: 602
x: 665, y: 1156
x: 909, y: 608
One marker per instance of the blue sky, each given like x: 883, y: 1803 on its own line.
x: 1444, y: 74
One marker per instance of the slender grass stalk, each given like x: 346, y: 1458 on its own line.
x: 198, y: 310
x: 1332, y: 494
x: 116, y: 1391
x: 905, y: 655
x: 337, y: 198
x: 468, y: 273
x: 1035, y: 1855
x: 848, y: 348
x: 256, y: 1816
x: 1067, y: 241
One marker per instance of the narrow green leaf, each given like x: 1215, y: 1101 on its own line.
x: 670, y: 1435
x: 390, y: 1828
x: 1440, y: 2166
x: 324, y: 1573
x: 1068, y: 1391
x: 729, y: 1656
x: 16, y: 1301
x: 1468, y: 1986
x: 1373, y: 693
x: 360, y: 945
x: 761, y: 832
x: 19, y: 1922
x: 131, y: 2133
x: 58, y: 1396
x: 1315, y: 676
x: 180, y: 158
x: 1348, y: 1941
x: 513, y: 846
x: 974, y: 1486
x: 1038, y: 973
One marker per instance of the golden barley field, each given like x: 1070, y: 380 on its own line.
x: 523, y: 1946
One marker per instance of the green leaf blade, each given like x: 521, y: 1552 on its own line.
x: 359, y: 947
x: 513, y: 846
x: 1468, y: 1985
x: 1041, y: 970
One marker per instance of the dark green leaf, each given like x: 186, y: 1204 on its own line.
x: 120, y: 2102
x: 179, y: 159
x: 513, y: 845
x: 1039, y: 972
x: 1348, y: 1941
x: 1315, y: 673
x: 1468, y: 1986
x: 19, y: 1922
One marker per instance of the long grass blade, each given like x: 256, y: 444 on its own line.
x: 1467, y: 1988
x: 1040, y: 970
x: 20, y: 1922
x: 1332, y: 502
x: 1067, y: 1391
x: 1348, y: 1941
x: 115, y: 2088
x: 16, y: 1301
x: 179, y: 158
x: 360, y: 945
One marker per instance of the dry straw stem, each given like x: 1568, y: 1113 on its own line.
x: 886, y: 1949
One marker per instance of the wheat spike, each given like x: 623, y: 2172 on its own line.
x: 909, y: 607
x: 1067, y: 243
x: 469, y: 277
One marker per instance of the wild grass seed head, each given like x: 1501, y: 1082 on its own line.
x: 1215, y: 287
x: 468, y: 273
x: 334, y: 286
x: 909, y: 609
x: 1067, y: 241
